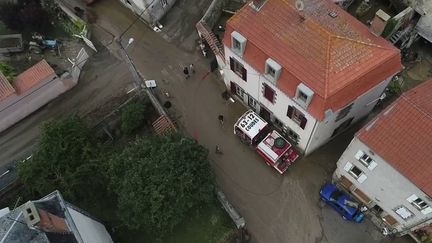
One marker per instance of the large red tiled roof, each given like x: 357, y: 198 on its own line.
x: 33, y: 76
x: 402, y: 135
x: 6, y: 88
x: 329, y: 55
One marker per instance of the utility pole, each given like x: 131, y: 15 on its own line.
x: 139, y: 82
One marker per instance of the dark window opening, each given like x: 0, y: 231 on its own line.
x: 297, y: 116
x: 302, y: 96
x: 238, y: 68
x: 236, y: 44
x: 344, y: 112
x: 269, y: 93
x: 356, y: 172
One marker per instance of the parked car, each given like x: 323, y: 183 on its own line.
x: 341, y: 202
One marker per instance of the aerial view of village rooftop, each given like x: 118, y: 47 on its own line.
x: 215, y: 121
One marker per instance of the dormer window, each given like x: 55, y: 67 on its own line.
x: 238, y: 43
x: 303, y: 95
x: 272, y: 70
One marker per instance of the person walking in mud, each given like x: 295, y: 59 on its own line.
x: 192, y: 68
x: 221, y: 120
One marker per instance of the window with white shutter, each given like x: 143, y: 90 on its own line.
x: 355, y: 172
x: 419, y: 204
x: 348, y: 166
x: 362, y: 178
x: 403, y: 212
x: 365, y: 159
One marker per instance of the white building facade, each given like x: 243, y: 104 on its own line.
x: 299, y: 125
x: 394, y: 201
x: 387, y: 164
x: 307, y: 109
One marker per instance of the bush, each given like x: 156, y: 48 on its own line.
x: 394, y: 88
x: 132, y: 116
x: 7, y: 71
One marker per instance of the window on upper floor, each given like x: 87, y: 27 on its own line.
x: 238, y: 43
x: 269, y: 93
x: 303, y: 95
x: 355, y: 172
x: 238, y: 68
x: 344, y: 112
x: 272, y: 70
x: 403, y: 212
x: 419, y: 204
x: 297, y: 116
x: 365, y: 159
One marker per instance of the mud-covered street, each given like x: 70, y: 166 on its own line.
x: 276, y: 208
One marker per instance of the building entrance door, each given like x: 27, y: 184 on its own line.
x: 265, y: 114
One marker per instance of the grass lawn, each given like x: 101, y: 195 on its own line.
x: 206, y: 225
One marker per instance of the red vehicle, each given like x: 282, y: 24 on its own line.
x: 273, y: 147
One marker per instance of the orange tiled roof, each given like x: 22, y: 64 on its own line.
x: 327, y: 54
x: 33, y: 76
x: 6, y: 88
x: 402, y: 135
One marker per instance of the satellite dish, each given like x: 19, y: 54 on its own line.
x: 299, y: 4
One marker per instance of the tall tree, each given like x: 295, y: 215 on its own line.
x: 158, y: 180
x: 66, y: 158
x: 25, y: 15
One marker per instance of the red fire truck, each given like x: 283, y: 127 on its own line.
x: 273, y: 147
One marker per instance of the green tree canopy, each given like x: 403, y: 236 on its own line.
x: 66, y: 158
x: 158, y: 180
x: 25, y: 14
x: 132, y: 117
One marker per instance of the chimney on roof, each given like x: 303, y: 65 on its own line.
x: 43, y: 220
x: 379, y: 22
x: 257, y: 4
x: 31, y: 215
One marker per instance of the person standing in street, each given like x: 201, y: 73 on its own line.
x: 221, y: 120
x: 186, y: 72
x: 192, y: 68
